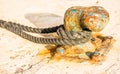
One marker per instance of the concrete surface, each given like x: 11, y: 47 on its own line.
x: 18, y: 56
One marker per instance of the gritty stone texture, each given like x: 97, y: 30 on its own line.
x: 19, y: 56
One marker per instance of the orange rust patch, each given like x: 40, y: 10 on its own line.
x: 97, y: 59
x: 76, y: 54
x: 43, y: 52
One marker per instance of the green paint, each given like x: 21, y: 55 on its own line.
x: 91, y: 14
x: 74, y: 11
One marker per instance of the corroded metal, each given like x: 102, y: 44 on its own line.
x: 75, y: 40
x: 78, y: 19
x: 94, y: 18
